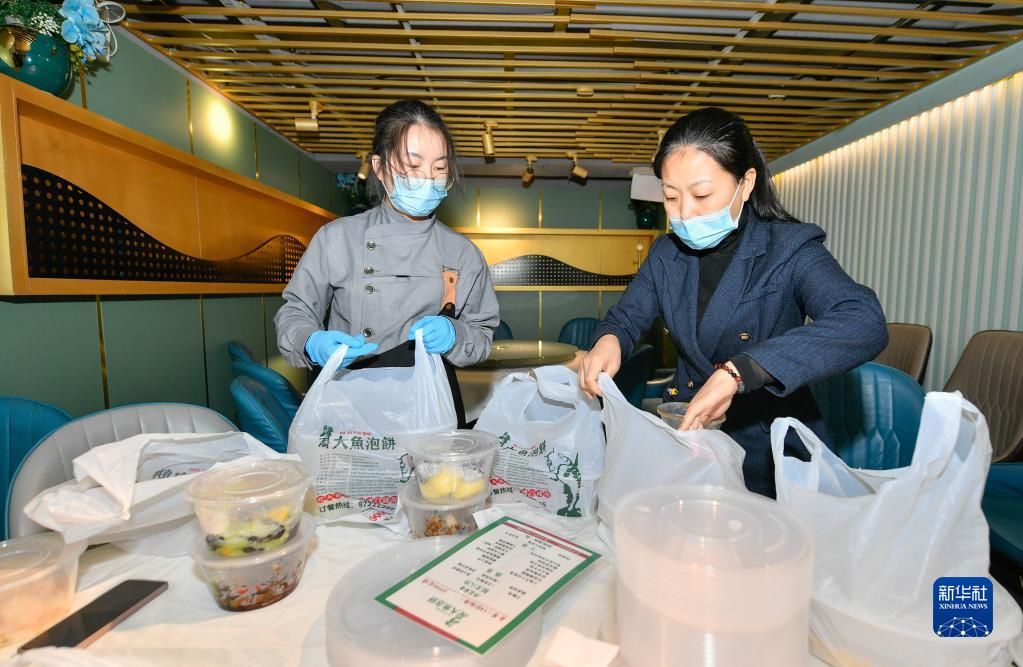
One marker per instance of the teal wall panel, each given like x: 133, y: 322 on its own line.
x: 509, y: 206
x: 570, y: 206
x: 317, y: 181
x: 560, y: 307
x: 226, y: 319
x: 459, y: 208
x: 608, y: 298
x: 222, y: 133
x: 521, y: 310
x: 297, y: 376
x: 278, y: 161
x: 140, y: 90
x: 616, y: 211
x: 51, y: 353
x: 154, y: 350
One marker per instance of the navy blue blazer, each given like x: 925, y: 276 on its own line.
x: 781, y: 274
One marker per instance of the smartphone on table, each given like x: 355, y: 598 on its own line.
x: 92, y: 621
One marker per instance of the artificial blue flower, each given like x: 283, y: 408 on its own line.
x: 71, y: 32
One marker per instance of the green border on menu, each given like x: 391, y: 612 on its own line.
x: 515, y: 622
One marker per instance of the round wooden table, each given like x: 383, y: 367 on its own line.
x: 531, y: 353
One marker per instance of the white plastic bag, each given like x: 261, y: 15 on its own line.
x: 552, y: 445
x: 353, y: 428
x: 643, y: 451
x: 133, y: 490
x: 884, y: 537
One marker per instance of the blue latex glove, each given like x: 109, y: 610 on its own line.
x: 438, y: 333
x: 322, y: 344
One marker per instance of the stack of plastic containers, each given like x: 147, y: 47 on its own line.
x: 255, y: 535
x: 711, y: 577
x: 453, y: 473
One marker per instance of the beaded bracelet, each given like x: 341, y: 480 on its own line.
x: 734, y: 374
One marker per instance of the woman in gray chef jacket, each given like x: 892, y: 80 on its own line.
x: 375, y: 278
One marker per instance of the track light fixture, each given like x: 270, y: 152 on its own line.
x: 310, y: 124
x: 363, y: 172
x: 488, y: 137
x: 578, y: 172
x: 528, y: 175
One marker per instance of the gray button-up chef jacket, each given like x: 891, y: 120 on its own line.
x: 378, y: 272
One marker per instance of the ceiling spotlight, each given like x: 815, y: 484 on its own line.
x: 363, y: 172
x: 584, y: 91
x: 488, y: 137
x: 578, y: 172
x: 309, y: 124
x: 528, y: 175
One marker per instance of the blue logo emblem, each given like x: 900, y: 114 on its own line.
x: 964, y: 607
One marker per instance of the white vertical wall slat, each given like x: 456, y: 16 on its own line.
x: 927, y: 213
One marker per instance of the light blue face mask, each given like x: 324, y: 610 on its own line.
x: 706, y: 231
x: 418, y: 197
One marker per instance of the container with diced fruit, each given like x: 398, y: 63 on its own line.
x: 428, y: 519
x: 38, y: 574
x: 453, y: 466
x: 249, y: 507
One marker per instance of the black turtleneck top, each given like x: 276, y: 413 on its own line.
x: 713, y: 264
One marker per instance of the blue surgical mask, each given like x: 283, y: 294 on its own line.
x: 417, y: 196
x: 706, y: 231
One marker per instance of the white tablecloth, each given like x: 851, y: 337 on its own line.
x: 184, y: 626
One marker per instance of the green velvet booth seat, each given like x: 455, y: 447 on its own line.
x: 873, y: 413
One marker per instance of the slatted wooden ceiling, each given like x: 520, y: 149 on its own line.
x: 555, y: 76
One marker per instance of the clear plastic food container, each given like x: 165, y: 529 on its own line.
x: 454, y: 465
x: 249, y: 507
x: 434, y: 519
x: 361, y: 632
x: 256, y: 580
x: 673, y: 413
x: 38, y: 574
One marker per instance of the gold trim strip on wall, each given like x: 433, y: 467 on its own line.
x: 205, y: 362
x: 81, y: 82
x: 188, y: 105
x: 102, y: 354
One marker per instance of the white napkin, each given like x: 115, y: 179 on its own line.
x: 571, y: 649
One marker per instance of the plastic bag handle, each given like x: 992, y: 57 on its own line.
x: 325, y: 376
x: 561, y: 389
x: 779, y: 429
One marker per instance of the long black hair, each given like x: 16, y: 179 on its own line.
x: 389, y: 138
x: 724, y: 136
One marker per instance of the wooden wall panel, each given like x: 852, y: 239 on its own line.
x: 194, y: 207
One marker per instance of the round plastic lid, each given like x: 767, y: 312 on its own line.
x: 453, y: 446
x: 251, y: 482
x: 711, y: 527
x: 411, y: 496
x: 27, y: 558
x: 364, y: 631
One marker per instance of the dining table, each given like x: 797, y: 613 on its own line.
x: 184, y: 626
x: 477, y: 382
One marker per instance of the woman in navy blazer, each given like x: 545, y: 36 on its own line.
x: 756, y: 305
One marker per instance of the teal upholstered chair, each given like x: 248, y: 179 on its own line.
x: 503, y: 331
x: 579, y: 332
x: 632, y: 376
x: 260, y: 414
x: 239, y: 351
x: 873, y: 413
x: 23, y: 423
x: 287, y: 396
x: 1003, y: 507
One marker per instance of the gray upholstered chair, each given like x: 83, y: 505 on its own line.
x: 990, y: 375
x: 909, y: 349
x: 50, y: 461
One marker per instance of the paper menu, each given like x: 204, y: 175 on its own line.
x: 488, y: 584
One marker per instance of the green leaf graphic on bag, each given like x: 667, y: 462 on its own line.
x: 566, y: 471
